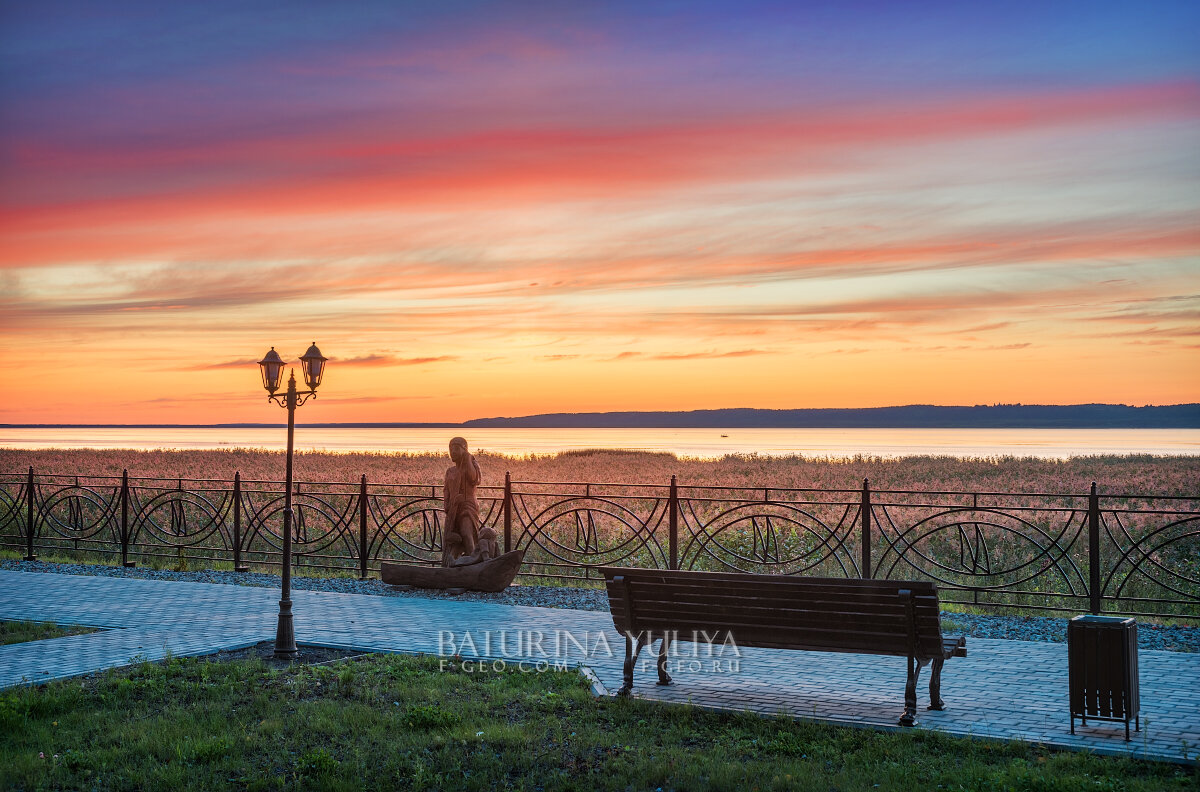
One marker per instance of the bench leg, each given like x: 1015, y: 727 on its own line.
x: 935, y: 685
x: 633, y: 647
x: 663, y: 677
x: 909, y: 718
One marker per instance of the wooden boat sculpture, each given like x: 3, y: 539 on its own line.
x: 495, y: 574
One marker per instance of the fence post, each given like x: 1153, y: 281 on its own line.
x: 238, y: 566
x: 1094, y: 549
x: 362, y: 528
x: 507, y: 511
x: 125, y: 562
x: 30, y: 502
x: 673, y: 524
x: 865, y: 541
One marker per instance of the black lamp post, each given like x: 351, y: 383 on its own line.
x: 312, y: 363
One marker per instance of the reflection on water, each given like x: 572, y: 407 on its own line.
x: 705, y: 443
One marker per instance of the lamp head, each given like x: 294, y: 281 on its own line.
x: 272, y: 370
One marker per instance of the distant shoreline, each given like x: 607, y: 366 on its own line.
x: 913, y: 416
x: 918, y: 416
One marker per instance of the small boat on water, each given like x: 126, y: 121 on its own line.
x: 495, y: 574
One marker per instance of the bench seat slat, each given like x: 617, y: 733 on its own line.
x: 685, y: 625
x: 688, y: 577
x: 816, y: 640
x: 873, y: 649
x: 652, y: 614
x: 925, y: 607
x: 886, y: 602
x: 783, y: 584
x: 866, y: 642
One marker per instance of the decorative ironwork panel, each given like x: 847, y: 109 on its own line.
x: 405, y: 523
x: 13, y: 497
x: 1150, y: 551
x: 79, y: 513
x: 405, y: 527
x: 1027, y: 552
x: 786, y: 532
x: 324, y: 525
x: 175, y: 518
x: 570, y: 533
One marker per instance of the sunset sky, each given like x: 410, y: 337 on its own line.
x: 483, y: 209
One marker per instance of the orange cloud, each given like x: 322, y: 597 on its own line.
x: 176, y: 288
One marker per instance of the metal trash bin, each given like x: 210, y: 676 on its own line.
x: 1102, y: 658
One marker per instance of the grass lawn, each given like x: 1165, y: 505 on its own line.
x: 396, y: 722
x: 12, y: 632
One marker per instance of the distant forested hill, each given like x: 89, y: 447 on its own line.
x: 1005, y: 416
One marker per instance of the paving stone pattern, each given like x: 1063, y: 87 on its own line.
x: 1002, y: 689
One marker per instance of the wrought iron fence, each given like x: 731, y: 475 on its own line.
x: 1122, y: 553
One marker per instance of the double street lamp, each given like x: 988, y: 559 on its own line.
x: 312, y: 364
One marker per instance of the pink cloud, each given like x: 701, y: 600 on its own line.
x: 360, y: 169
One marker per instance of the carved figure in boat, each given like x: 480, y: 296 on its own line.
x: 471, y: 557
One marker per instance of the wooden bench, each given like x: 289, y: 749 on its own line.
x: 882, y: 617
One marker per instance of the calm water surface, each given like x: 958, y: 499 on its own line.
x: 704, y: 443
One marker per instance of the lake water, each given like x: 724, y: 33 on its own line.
x: 704, y: 443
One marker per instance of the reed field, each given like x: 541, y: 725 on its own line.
x: 1157, y: 475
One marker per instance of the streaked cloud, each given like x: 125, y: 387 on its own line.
x: 391, y: 360
x: 245, y: 363
x: 737, y: 353
x: 373, y: 399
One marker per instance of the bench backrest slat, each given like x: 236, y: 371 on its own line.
x: 830, y: 614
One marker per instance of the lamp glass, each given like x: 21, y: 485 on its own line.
x: 312, y: 363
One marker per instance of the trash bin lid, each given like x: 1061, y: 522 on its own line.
x: 1102, y: 620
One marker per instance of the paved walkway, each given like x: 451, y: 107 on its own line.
x: 1003, y: 689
